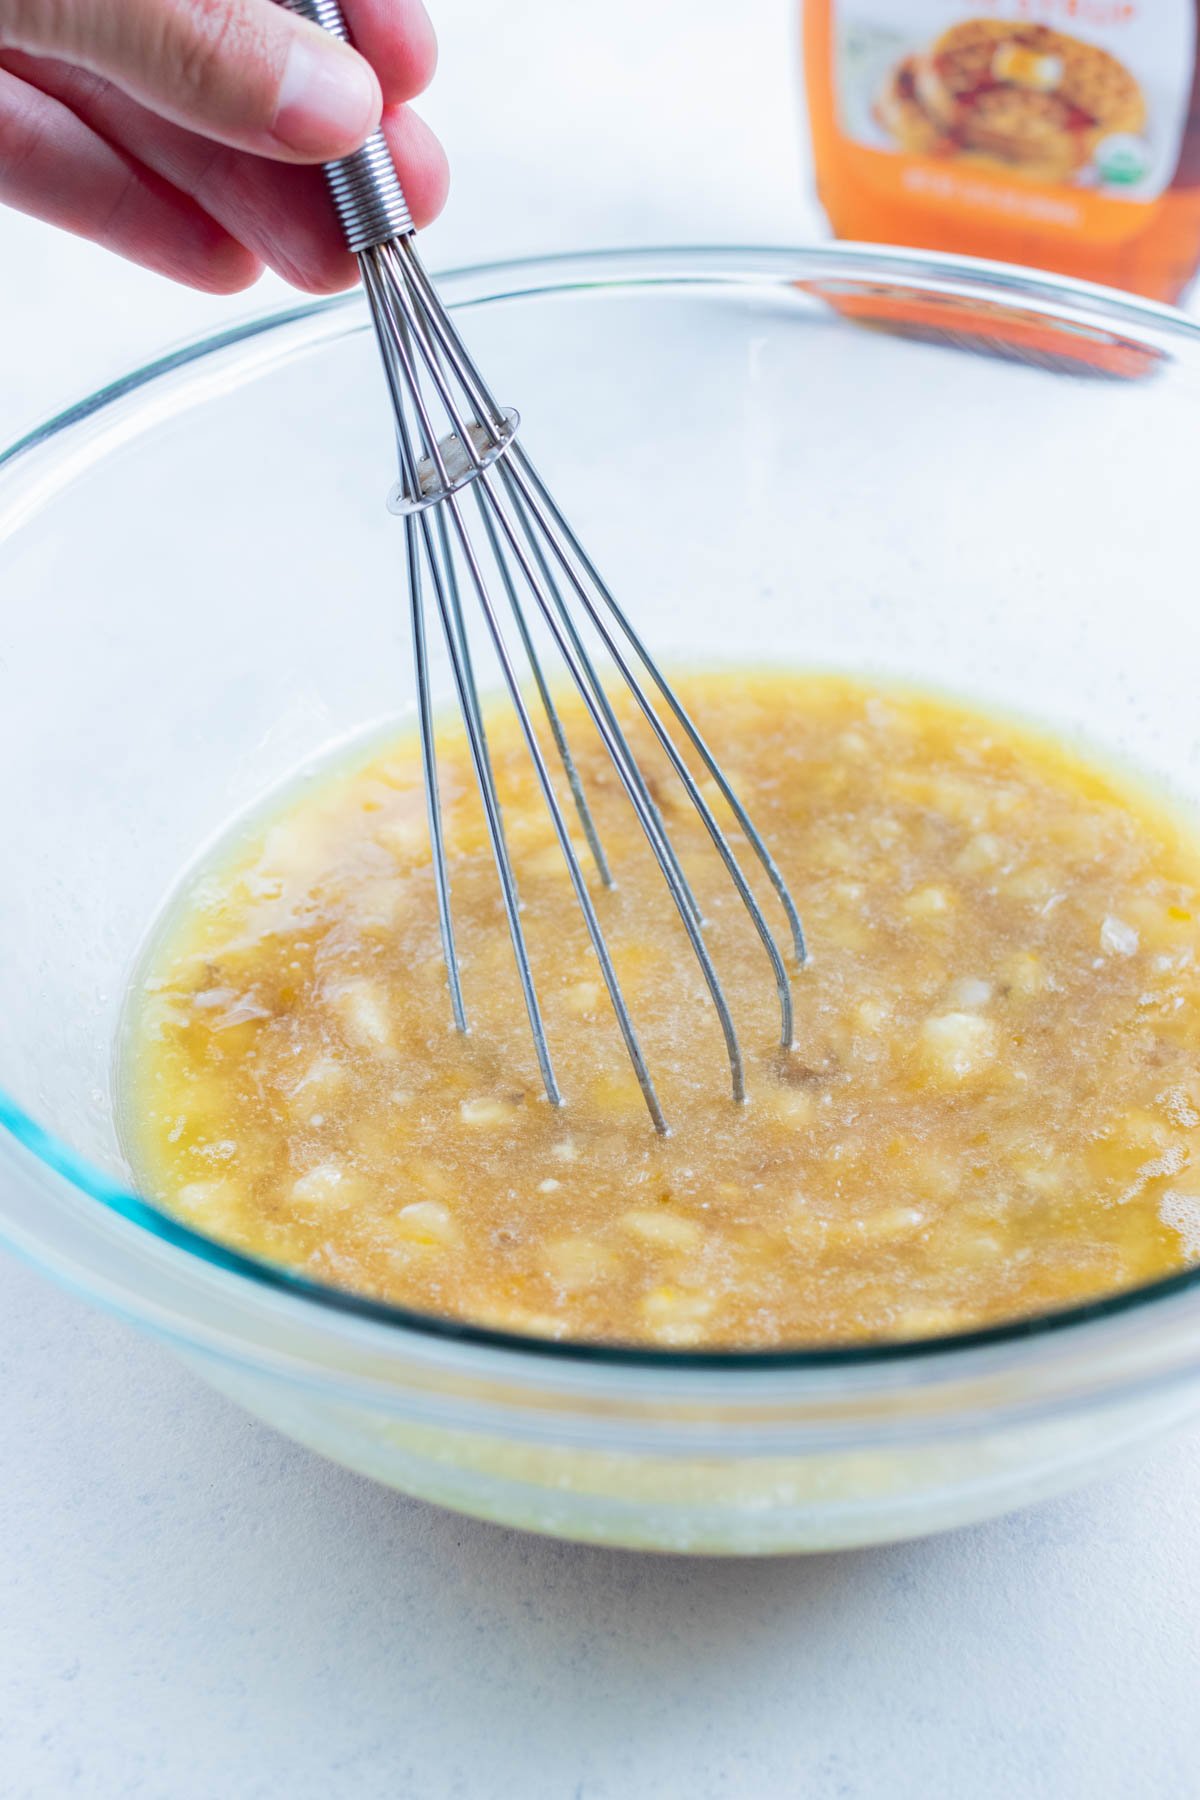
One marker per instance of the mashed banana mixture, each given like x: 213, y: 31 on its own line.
x: 991, y: 1108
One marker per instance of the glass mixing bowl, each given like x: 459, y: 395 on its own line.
x: 923, y: 467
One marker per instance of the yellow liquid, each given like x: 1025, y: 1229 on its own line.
x: 990, y: 1110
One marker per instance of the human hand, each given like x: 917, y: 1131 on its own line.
x: 172, y: 130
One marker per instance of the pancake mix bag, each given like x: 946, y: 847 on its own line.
x: 1062, y: 133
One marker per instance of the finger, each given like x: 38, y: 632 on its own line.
x: 283, y: 215
x: 245, y: 72
x: 397, y: 39
x: 56, y: 168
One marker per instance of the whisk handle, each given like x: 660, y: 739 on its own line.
x: 365, y: 187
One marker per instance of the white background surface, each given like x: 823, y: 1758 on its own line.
x: 193, y: 1609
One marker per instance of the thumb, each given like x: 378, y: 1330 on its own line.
x: 246, y: 73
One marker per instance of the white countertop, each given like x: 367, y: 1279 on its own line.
x: 194, y: 1609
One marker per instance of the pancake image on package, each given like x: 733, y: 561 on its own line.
x: 1033, y: 101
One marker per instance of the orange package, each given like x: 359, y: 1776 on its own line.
x: 1060, y: 133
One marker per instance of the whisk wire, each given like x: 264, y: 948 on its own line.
x: 553, y: 720
x: 516, y: 509
x: 678, y: 710
x: 622, y: 760
x: 457, y: 644
x: 404, y: 261
x: 532, y: 555
x: 460, y: 626
x: 681, y: 769
x: 554, y: 589
x: 433, y: 807
x: 527, y: 524
x: 541, y: 769
x: 481, y: 759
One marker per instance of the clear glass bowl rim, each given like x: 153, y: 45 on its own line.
x: 25, y: 1146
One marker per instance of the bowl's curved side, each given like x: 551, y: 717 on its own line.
x: 724, y: 1504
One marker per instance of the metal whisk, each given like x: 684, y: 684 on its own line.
x: 456, y: 445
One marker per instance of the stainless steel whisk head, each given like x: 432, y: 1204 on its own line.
x: 460, y: 459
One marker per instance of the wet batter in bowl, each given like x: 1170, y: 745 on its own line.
x: 992, y: 1107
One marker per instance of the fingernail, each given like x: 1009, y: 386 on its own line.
x: 328, y: 99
